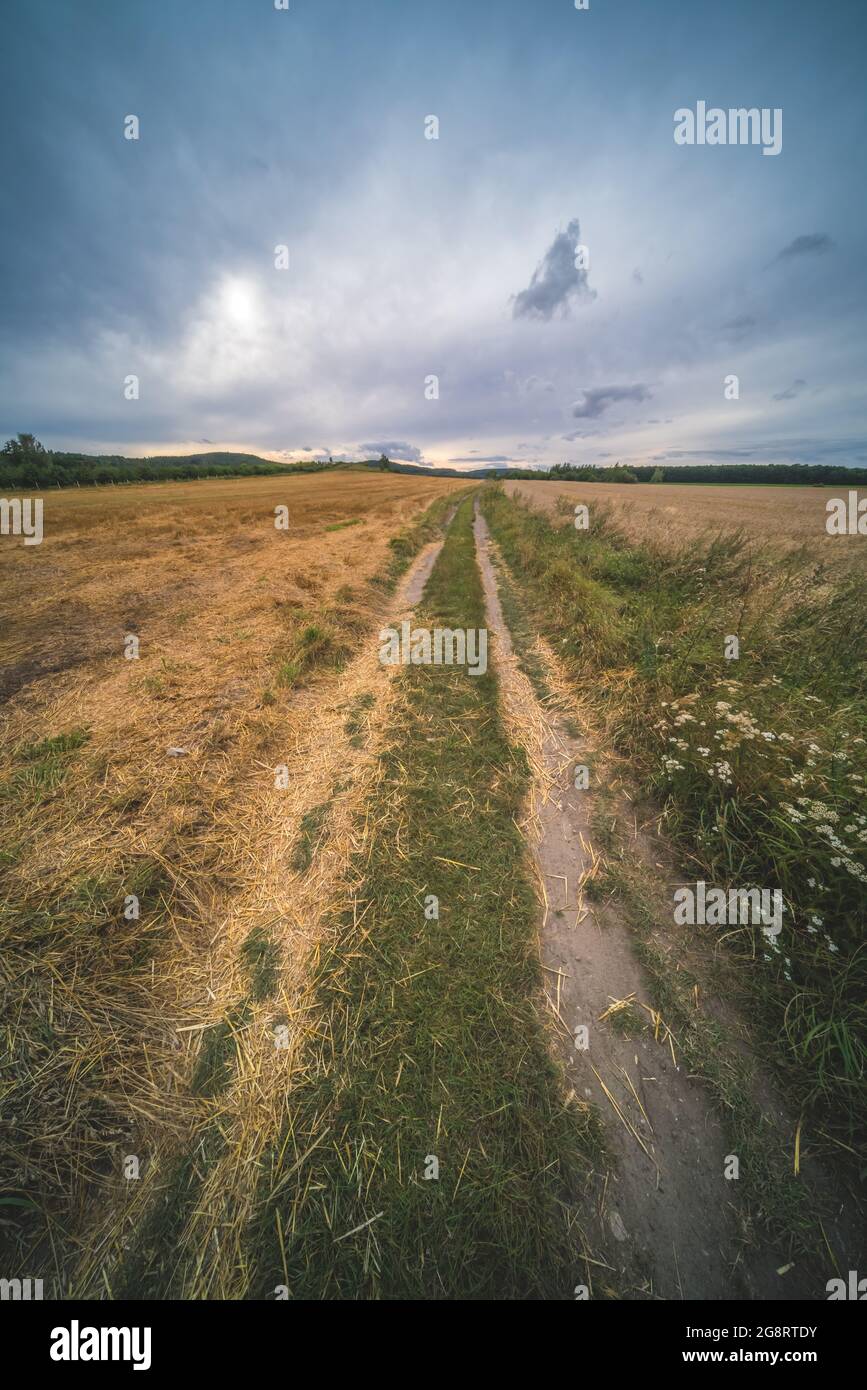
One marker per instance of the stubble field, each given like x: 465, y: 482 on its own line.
x: 144, y: 840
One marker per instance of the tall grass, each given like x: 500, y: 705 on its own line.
x: 758, y: 763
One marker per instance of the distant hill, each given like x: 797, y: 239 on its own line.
x: 28, y: 465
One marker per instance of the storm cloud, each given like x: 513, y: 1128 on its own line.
x: 792, y: 391
x: 396, y: 449
x: 805, y: 246
x: 595, y: 402
x: 556, y: 281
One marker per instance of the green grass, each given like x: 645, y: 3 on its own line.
x: 42, y: 767
x: 355, y: 720
x: 310, y: 833
x: 404, y: 547
x: 157, y: 1261
x: 314, y: 647
x: 430, y: 1043
x: 758, y: 764
x: 342, y: 525
x: 778, y: 1200
x: 216, y: 1061
x: 522, y: 634
x: 261, y: 957
x: 78, y: 995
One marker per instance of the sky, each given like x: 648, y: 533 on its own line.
x: 455, y: 258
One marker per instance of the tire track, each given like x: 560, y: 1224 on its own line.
x: 667, y: 1217
x: 202, y: 1255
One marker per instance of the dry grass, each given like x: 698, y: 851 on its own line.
x: 670, y: 513
x: 103, y: 1018
x: 166, y: 556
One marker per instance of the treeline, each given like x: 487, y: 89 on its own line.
x: 25, y: 463
x: 817, y: 474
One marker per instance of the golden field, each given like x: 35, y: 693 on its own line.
x: 155, y: 777
x: 670, y: 513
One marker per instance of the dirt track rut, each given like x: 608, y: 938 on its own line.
x: 666, y: 1215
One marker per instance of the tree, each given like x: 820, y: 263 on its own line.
x: 384, y: 463
x: 619, y: 474
x: 25, y: 463
x: 24, y: 448
x: 657, y: 476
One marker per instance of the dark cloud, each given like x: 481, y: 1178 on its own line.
x: 556, y: 281
x: 594, y: 402
x: 805, y: 245
x: 397, y: 449
x: 792, y: 391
